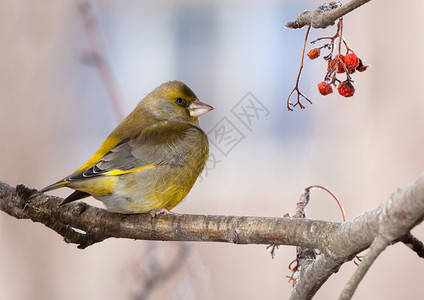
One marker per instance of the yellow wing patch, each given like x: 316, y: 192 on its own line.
x: 120, y: 172
x: 107, y: 145
x: 103, y: 184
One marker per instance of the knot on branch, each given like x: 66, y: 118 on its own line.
x: 25, y: 194
x: 30, y: 204
x: 87, y: 239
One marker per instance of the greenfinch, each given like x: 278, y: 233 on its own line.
x: 151, y: 160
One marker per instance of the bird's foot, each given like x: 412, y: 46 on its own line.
x: 160, y: 211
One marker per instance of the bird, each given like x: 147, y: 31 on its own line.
x: 151, y: 160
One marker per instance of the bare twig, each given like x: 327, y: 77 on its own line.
x: 99, y: 58
x: 296, y: 88
x: 158, y: 273
x: 377, y: 246
x: 332, y: 195
x: 325, y: 15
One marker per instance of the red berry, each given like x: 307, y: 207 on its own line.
x: 361, y: 67
x: 346, y: 89
x: 351, y: 61
x: 324, y: 88
x: 313, y: 53
x: 340, y: 60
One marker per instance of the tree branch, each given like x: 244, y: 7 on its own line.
x: 157, y: 273
x: 99, y: 224
x: 314, y: 276
x: 378, y: 246
x: 98, y: 56
x: 325, y: 15
x: 414, y: 244
x: 338, y: 242
x: 391, y: 220
x: 394, y: 218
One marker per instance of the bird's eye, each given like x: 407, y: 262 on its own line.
x: 181, y: 102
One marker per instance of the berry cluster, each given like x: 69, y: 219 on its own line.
x: 338, y: 64
x: 348, y: 64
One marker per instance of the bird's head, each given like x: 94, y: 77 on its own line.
x: 174, y: 100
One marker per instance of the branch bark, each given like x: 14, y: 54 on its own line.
x: 325, y: 15
x: 337, y: 242
x: 390, y: 222
x: 99, y: 224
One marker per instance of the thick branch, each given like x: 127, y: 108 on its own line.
x: 314, y: 276
x: 403, y: 210
x: 391, y: 221
x: 338, y: 242
x: 325, y: 15
x: 99, y: 224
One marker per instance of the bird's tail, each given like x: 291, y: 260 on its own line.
x: 75, y: 196
x: 72, y: 197
x: 54, y: 186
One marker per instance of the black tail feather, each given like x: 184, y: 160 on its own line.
x: 53, y: 186
x: 75, y: 196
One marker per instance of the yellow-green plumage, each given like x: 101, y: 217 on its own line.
x: 151, y: 160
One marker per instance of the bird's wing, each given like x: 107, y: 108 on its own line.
x: 164, y: 143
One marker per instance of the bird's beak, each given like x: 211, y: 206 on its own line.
x: 198, y: 108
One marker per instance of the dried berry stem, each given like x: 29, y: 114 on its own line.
x: 332, y: 195
x: 340, y: 33
x: 296, y: 88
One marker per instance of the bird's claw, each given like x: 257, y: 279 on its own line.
x: 160, y: 211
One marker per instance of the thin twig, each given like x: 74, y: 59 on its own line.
x: 158, y: 273
x: 334, y: 197
x: 99, y: 58
x: 377, y: 246
x: 296, y: 88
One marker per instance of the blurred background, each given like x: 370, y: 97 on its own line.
x: 55, y: 110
